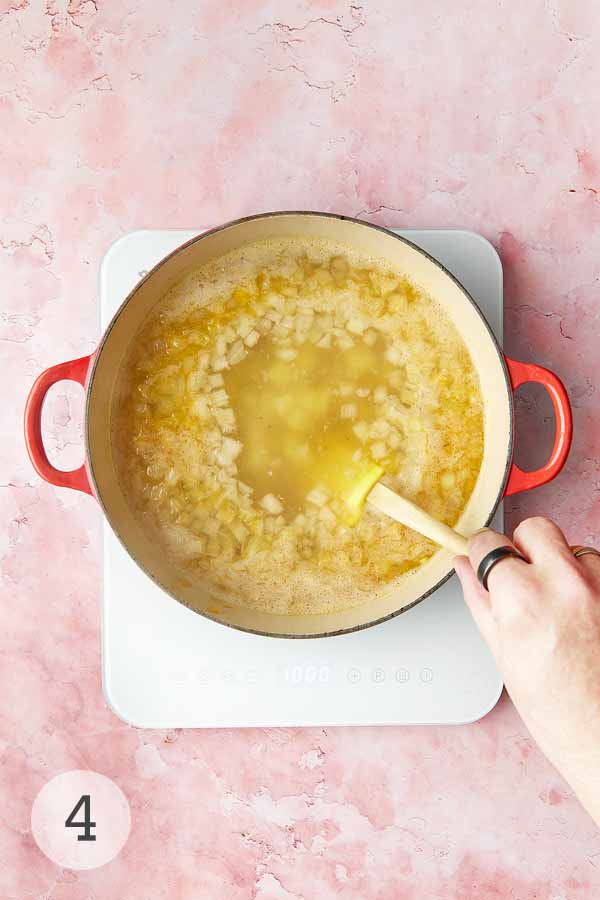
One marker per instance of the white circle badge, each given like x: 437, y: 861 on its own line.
x: 80, y: 819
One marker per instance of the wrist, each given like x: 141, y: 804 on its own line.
x: 581, y: 769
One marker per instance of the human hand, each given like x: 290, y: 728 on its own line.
x: 541, y: 620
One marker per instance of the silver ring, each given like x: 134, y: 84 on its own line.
x: 492, y: 559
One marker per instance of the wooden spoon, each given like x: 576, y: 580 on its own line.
x: 368, y: 487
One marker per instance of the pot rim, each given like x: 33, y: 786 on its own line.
x: 216, y: 230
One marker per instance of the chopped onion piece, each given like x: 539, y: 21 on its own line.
x: 394, y: 356
x: 236, y: 353
x: 226, y: 512
x: 287, y: 353
x: 219, y: 397
x: 211, y: 527
x: 380, y: 428
x: 318, y: 496
x: 239, y: 531
x: 304, y: 321
x: 275, y: 300
x: 199, y: 407
x: 356, y: 325
x: 271, y: 525
x: 219, y: 363
x: 361, y: 430
x: 244, y: 325
x: 271, y: 504
x: 326, y: 516
x: 226, y: 420
x: 229, y: 451
x: 171, y: 477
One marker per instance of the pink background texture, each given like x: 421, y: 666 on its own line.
x: 121, y: 115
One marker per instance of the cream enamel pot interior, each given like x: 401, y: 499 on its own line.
x: 498, y: 376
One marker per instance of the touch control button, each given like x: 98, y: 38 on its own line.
x: 378, y: 675
x: 426, y: 675
x: 354, y: 676
x: 402, y: 675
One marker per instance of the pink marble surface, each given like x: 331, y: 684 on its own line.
x: 118, y: 115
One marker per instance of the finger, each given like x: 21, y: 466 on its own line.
x: 540, y: 540
x: 477, y: 599
x: 505, y: 570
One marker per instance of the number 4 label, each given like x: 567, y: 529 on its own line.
x: 73, y: 840
x: 86, y: 824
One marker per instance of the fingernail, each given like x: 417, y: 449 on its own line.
x: 479, y: 531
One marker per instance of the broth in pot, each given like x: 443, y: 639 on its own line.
x: 259, y: 374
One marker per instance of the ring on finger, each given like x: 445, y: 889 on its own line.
x: 491, y: 559
x: 580, y: 550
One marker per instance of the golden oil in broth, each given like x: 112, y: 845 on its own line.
x: 289, y: 415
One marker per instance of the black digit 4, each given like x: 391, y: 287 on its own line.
x: 86, y: 824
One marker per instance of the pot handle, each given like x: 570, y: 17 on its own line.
x: 522, y: 373
x: 74, y: 370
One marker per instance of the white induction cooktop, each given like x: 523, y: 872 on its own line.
x: 165, y: 666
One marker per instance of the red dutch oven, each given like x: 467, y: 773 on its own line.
x: 499, y: 377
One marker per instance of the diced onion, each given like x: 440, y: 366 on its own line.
x: 287, y: 354
x: 318, y: 496
x: 356, y: 325
x: 229, y: 451
x: 378, y: 450
x: 219, y: 397
x: 393, y: 355
x: 271, y: 504
x: 370, y: 337
x: 236, y: 353
x: 361, y: 430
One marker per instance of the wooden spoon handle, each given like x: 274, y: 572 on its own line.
x: 416, y: 518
